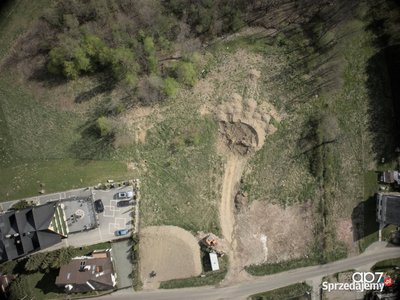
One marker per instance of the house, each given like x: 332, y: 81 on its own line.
x: 31, y: 229
x: 88, y: 273
x: 214, y: 261
x: 389, y: 177
x: 388, y: 208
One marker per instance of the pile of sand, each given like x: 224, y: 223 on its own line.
x: 171, y: 252
x: 244, y: 124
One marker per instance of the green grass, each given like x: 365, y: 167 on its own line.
x: 15, y: 18
x: 86, y: 250
x: 23, y: 181
x: 383, y: 265
x: 386, y: 232
x: 212, y: 277
x: 295, y: 291
x: 182, y: 193
x: 267, y: 269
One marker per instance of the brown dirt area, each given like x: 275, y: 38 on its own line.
x: 170, y: 252
x: 345, y: 233
x: 274, y: 234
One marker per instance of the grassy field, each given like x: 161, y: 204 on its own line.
x: 296, y: 291
x: 212, y: 277
x: 15, y: 19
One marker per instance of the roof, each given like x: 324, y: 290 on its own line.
x: 388, y: 177
x: 214, y: 261
x: 388, y: 206
x: 85, y: 273
x: 27, y: 230
x: 393, y: 210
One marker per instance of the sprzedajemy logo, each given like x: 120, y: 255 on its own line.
x: 362, y: 281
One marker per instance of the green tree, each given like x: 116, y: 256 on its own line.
x: 185, y: 73
x: 70, y: 70
x: 105, y: 125
x: 82, y: 62
x: 21, y: 288
x: 152, y: 64
x: 8, y: 267
x: 149, y: 47
x: 21, y: 204
x: 35, y: 261
x: 170, y: 87
x: 57, y: 58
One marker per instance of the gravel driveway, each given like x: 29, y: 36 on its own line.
x: 121, y: 253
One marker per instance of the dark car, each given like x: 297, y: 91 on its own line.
x: 123, y: 203
x: 99, y: 206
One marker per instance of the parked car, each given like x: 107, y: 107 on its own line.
x: 121, y: 232
x: 123, y: 203
x: 124, y: 195
x: 99, y: 206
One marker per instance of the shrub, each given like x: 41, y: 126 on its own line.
x: 170, y: 87
x: 185, y: 73
x: 105, y: 125
x: 21, y: 204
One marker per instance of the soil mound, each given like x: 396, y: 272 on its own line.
x: 240, y: 200
x: 244, y: 124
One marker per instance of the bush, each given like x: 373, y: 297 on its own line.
x: 170, y: 87
x: 185, y: 73
x: 21, y: 204
x: 21, y: 288
x: 105, y: 125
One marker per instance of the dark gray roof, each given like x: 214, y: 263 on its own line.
x: 393, y: 210
x: 31, y: 227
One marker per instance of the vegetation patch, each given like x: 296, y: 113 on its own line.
x: 298, y: 291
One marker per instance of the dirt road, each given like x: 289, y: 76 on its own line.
x: 233, y: 172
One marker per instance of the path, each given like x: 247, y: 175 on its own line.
x: 261, y: 284
x: 233, y: 173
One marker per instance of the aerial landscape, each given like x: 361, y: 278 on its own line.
x: 200, y: 149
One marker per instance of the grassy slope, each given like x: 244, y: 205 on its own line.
x: 295, y: 291
x: 15, y: 18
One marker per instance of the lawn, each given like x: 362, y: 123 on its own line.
x: 296, y: 291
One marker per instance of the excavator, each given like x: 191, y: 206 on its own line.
x: 212, y: 243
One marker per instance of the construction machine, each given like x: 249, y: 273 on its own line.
x: 212, y: 243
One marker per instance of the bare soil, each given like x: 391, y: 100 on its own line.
x: 274, y: 234
x: 170, y: 252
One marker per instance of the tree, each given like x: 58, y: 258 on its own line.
x: 185, y: 73
x: 152, y: 65
x: 21, y: 204
x: 105, y: 125
x: 35, y: 261
x: 149, y: 47
x: 21, y: 288
x: 170, y: 87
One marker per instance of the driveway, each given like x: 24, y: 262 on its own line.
x: 121, y: 253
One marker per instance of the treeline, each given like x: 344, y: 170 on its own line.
x: 128, y: 38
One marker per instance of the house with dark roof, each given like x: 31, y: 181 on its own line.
x: 31, y: 229
x: 88, y: 273
x: 388, y: 208
x: 389, y: 177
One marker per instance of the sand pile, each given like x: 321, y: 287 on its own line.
x: 244, y: 124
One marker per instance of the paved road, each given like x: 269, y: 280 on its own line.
x: 261, y: 284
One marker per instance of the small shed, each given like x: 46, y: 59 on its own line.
x: 390, y: 177
x: 214, y: 261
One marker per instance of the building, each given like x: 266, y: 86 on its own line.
x: 388, y: 208
x: 214, y: 261
x: 88, y: 273
x: 31, y: 229
x: 390, y: 177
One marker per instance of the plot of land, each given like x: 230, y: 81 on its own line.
x: 275, y: 234
x: 170, y: 252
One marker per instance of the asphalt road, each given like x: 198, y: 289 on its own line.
x: 260, y: 284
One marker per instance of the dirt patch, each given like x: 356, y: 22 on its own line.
x: 170, y: 252
x: 274, y: 234
x: 244, y: 124
x: 240, y: 200
x: 344, y: 230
